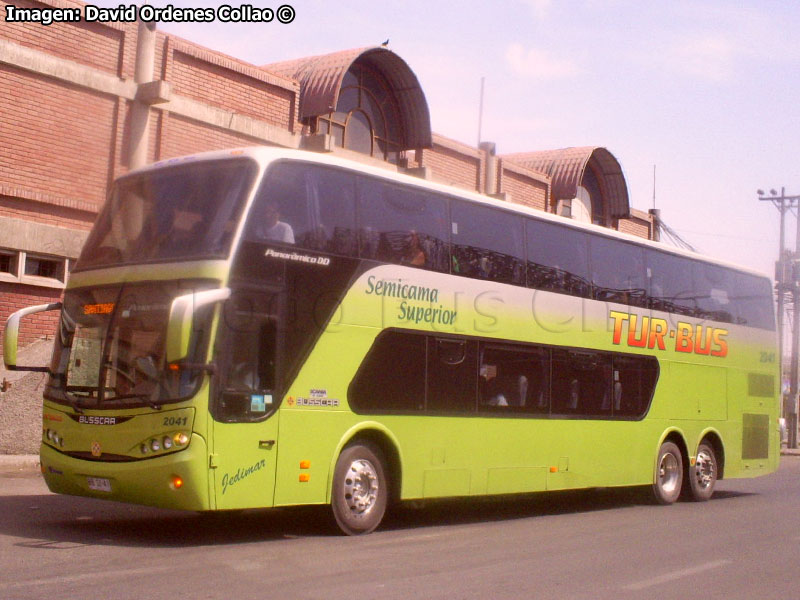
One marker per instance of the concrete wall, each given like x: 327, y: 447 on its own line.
x: 21, y: 403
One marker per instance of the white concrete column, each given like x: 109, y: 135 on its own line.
x: 140, y: 112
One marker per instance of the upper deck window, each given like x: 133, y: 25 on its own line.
x: 487, y: 243
x: 557, y: 259
x: 189, y: 211
x: 402, y: 225
x: 310, y: 207
x: 618, y: 271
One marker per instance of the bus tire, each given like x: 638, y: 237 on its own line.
x: 703, y: 475
x: 360, y: 489
x: 669, y: 474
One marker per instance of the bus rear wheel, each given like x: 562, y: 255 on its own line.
x: 703, y: 475
x: 360, y: 489
x: 669, y: 474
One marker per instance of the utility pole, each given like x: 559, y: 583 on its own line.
x: 786, y: 280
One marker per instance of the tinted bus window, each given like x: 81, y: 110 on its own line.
x: 408, y: 372
x: 247, y: 350
x: 402, y: 225
x: 714, y: 289
x: 752, y: 300
x: 392, y: 376
x: 582, y: 383
x: 452, y: 370
x: 185, y: 212
x: 634, y: 380
x: 617, y: 271
x: 671, y: 287
x: 514, y: 379
x: 308, y: 206
x: 557, y: 259
x: 487, y: 243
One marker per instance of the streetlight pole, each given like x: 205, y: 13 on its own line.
x: 784, y: 203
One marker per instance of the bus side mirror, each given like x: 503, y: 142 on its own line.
x: 11, y: 336
x: 181, y: 318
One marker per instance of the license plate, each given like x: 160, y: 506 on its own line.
x: 99, y: 484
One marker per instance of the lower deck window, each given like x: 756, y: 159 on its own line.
x: 392, y: 377
x: 514, y: 379
x: 582, y: 383
x: 412, y: 372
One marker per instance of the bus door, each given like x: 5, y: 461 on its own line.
x: 244, y: 401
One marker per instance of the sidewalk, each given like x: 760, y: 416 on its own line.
x: 21, y: 462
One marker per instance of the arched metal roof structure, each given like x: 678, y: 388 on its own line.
x: 321, y: 77
x: 566, y: 168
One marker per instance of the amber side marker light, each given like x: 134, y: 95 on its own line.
x: 176, y: 482
x: 304, y: 477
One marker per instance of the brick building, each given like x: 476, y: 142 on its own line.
x: 84, y: 102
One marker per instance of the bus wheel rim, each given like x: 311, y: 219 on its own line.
x: 668, y: 473
x: 361, y: 487
x: 704, y: 469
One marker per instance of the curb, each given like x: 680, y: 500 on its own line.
x: 19, y: 461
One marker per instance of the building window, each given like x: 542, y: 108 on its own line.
x: 51, y: 268
x: 591, y: 183
x: 8, y: 262
x: 17, y: 266
x: 367, y: 116
x: 41, y: 267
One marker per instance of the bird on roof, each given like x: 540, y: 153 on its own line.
x: 386, y: 43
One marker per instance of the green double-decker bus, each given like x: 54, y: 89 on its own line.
x: 265, y: 327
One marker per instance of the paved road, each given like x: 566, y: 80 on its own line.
x: 591, y: 545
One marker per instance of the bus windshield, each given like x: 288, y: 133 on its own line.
x: 188, y: 211
x: 110, y: 348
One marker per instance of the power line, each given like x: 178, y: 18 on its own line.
x: 672, y: 236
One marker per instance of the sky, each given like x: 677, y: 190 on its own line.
x: 702, y: 93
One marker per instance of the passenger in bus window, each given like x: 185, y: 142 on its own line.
x: 415, y: 255
x: 274, y: 228
x: 574, y: 394
x: 315, y: 239
x: 491, y: 394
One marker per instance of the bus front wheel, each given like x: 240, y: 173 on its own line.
x: 669, y: 474
x: 360, y: 489
x: 703, y: 475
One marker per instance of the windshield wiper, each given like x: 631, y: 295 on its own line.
x: 146, y: 397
